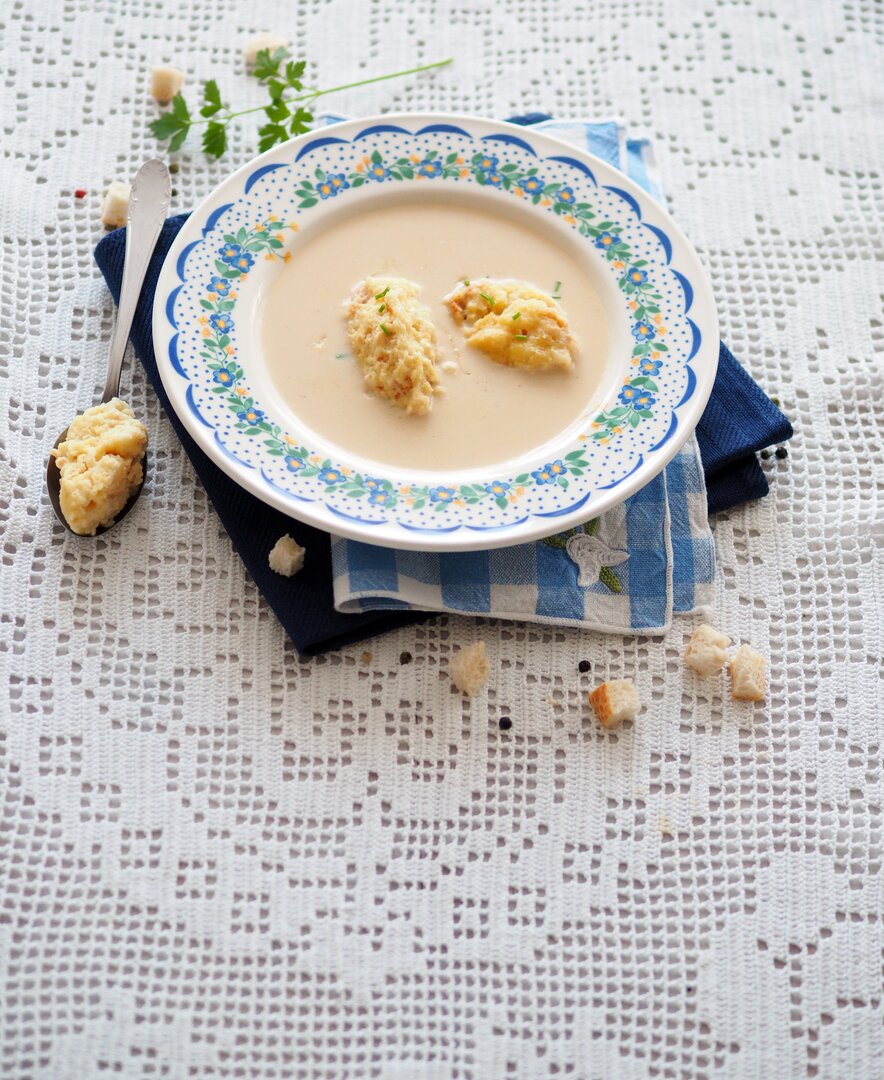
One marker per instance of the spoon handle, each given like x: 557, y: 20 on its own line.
x: 148, y: 203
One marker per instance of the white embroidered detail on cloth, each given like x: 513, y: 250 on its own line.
x: 594, y: 560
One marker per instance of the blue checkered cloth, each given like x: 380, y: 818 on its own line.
x: 629, y: 570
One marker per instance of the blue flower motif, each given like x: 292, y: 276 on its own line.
x: 642, y: 331
x: 338, y: 181
x: 497, y: 487
x: 240, y: 260
x: 381, y: 498
x: 605, y: 240
x: 327, y: 189
x: 495, y: 179
x: 229, y: 253
x: 644, y: 400
x: 373, y: 483
x: 549, y: 472
x: 441, y: 494
x: 295, y: 464
x: 487, y: 164
x: 566, y: 195
x: 222, y: 323
x: 430, y: 168
x: 628, y: 394
x: 649, y: 366
x: 533, y: 185
x: 635, y: 276
x: 219, y: 285
x: 331, y: 476
x: 223, y: 376
x: 378, y: 171
x: 250, y: 416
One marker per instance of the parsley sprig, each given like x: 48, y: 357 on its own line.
x: 288, y: 112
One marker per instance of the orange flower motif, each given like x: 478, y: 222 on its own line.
x: 415, y: 158
x: 346, y: 472
x: 315, y: 459
x: 519, y: 192
x: 211, y: 295
x: 616, y: 430
x: 511, y: 498
x: 272, y: 217
x: 288, y: 440
x: 658, y: 319
x: 360, y: 166
x: 520, y: 491
x: 632, y: 304
x: 654, y: 356
x: 458, y: 161
x: 268, y: 258
x: 293, y: 225
x: 661, y: 330
x: 233, y: 296
x: 206, y: 332
x: 464, y: 173
x: 241, y: 391
x: 618, y: 264
x: 570, y: 219
x: 595, y: 425
x: 404, y: 490
x: 202, y: 320
x: 259, y: 228
x: 229, y: 350
x: 409, y: 502
x: 457, y: 502
x: 546, y: 202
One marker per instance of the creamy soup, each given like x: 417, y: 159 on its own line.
x: 487, y: 413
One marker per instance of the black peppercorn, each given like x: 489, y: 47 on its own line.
x: 405, y: 658
x: 782, y: 452
x: 584, y: 666
x: 504, y: 723
x: 765, y: 454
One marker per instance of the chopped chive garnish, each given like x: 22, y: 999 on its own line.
x: 341, y: 356
x: 382, y: 308
x: 485, y: 296
x: 517, y: 315
x: 521, y: 337
x: 381, y: 295
x: 386, y: 330
x: 557, y: 286
x: 466, y: 281
x: 556, y: 298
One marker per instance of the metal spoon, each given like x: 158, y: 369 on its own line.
x: 148, y: 203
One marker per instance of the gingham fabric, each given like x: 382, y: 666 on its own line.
x: 650, y: 556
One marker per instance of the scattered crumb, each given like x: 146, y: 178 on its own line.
x: 165, y: 82
x: 264, y: 40
x: 705, y: 652
x: 367, y: 657
x: 468, y: 668
x: 115, y: 205
x: 747, y: 675
x: 665, y: 826
x: 614, y: 702
x: 286, y: 557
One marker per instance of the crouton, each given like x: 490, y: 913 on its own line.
x: 468, y: 668
x: 165, y: 82
x: 705, y: 652
x: 115, y: 205
x: 286, y: 556
x: 614, y: 702
x: 747, y: 675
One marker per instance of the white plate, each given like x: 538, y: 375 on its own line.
x: 660, y: 371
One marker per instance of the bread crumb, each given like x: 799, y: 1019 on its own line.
x: 468, y: 668
x: 747, y: 674
x: 393, y: 340
x: 264, y: 40
x: 286, y: 557
x: 115, y: 205
x: 367, y: 657
x: 705, y: 652
x: 165, y: 82
x: 615, y: 701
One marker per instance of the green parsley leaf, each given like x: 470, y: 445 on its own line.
x: 267, y: 64
x: 211, y: 98
x: 215, y: 140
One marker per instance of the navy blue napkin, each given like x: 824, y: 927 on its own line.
x: 739, y: 420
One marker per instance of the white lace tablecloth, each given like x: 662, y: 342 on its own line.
x: 218, y: 860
